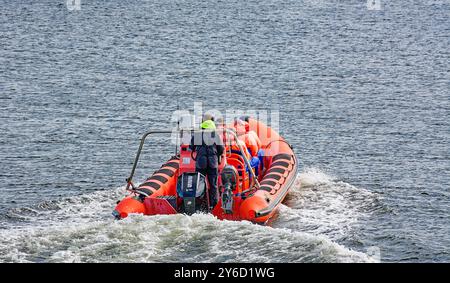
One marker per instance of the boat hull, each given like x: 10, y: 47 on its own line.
x: 157, y: 195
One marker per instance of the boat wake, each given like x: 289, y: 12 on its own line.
x: 313, y: 225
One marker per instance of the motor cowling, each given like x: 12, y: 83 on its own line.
x: 229, y: 178
x: 192, y: 193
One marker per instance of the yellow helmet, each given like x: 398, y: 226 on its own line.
x: 208, y: 124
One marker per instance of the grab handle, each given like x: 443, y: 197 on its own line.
x: 136, y: 160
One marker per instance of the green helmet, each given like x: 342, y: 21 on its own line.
x: 208, y: 124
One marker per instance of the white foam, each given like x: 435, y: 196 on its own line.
x: 197, y: 238
x: 320, y: 212
x: 322, y: 205
x: 312, y: 177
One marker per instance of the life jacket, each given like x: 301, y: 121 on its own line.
x: 250, y: 138
x: 209, y: 146
x: 251, y: 141
x: 256, y: 139
x: 235, y: 148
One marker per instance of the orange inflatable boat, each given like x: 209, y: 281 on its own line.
x: 251, y: 185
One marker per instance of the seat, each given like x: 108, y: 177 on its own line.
x: 238, y: 162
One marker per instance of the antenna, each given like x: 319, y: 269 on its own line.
x: 178, y: 129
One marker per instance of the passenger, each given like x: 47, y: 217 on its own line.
x: 251, y: 141
x: 250, y: 138
x: 220, y: 128
x: 209, y: 147
x: 220, y: 123
x: 255, y: 139
x: 235, y: 146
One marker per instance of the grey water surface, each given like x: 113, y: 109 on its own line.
x: 363, y: 95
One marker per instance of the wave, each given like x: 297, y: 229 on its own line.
x: 323, y: 205
x: 318, y: 213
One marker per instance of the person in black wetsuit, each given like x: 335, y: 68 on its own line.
x: 209, y: 147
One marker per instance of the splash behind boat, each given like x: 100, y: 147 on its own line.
x: 247, y: 192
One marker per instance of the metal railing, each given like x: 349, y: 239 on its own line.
x: 192, y: 131
x: 138, y: 154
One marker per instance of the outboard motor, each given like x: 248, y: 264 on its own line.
x: 229, y: 180
x: 192, y: 193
